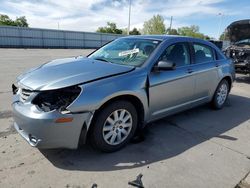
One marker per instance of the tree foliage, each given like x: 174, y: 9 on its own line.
x: 224, y: 36
x: 172, y: 32
x: 192, y: 31
x: 20, y: 21
x: 110, y: 28
x: 135, y: 31
x: 154, y: 26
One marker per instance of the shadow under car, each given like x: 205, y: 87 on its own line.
x: 165, y: 139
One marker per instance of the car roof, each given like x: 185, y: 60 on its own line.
x: 158, y: 37
x: 174, y: 37
x: 168, y: 37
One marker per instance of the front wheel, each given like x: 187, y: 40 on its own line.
x: 220, y: 95
x: 114, y: 126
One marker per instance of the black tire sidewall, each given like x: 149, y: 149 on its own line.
x: 97, y: 139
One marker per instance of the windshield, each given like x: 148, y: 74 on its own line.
x: 126, y: 51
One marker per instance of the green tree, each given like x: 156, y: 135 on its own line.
x: 20, y: 21
x: 134, y: 31
x: 224, y: 36
x: 172, y: 32
x: 110, y: 28
x: 5, y: 20
x: 192, y: 31
x: 155, y: 25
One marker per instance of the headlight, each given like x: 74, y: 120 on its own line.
x: 58, y: 99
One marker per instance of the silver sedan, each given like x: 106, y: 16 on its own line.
x: 110, y: 95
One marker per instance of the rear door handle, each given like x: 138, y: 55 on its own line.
x: 189, y: 71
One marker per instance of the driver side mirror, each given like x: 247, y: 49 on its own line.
x: 165, y: 65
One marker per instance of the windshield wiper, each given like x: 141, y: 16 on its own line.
x: 100, y: 59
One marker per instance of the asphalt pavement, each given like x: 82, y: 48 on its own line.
x: 196, y: 148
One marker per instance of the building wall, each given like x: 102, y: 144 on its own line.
x: 19, y: 37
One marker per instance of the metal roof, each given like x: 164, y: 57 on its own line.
x: 156, y: 37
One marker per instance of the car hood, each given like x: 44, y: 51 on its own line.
x: 239, y: 30
x: 67, y: 72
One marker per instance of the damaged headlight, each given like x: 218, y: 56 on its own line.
x: 14, y: 89
x: 58, y: 99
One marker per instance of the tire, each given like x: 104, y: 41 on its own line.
x: 114, y: 126
x: 220, y: 95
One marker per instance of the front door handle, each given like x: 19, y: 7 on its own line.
x: 189, y: 71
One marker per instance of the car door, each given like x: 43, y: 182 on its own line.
x: 205, y: 68
x: 171, y: 90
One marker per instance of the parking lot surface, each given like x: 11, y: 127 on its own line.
x: 196, y: 148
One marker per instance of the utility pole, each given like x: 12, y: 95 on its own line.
x: 220, y: 24
x: 171, y: 21
x: 129, y: 13
x: 58, y: 23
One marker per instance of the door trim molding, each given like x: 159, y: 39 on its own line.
x: 178, y: 106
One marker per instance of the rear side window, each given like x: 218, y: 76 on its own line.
x: 203, y: 53
x: 177, y: 53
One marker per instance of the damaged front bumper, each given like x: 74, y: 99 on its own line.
x: 242, y: 67
x: 241, y: 59
x: 42, y: 130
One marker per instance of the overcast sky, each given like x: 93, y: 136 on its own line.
x: 88, y: 15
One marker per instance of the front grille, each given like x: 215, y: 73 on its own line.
x: 24, y: 94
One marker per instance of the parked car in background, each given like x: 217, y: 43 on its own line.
x: 119, y: 88
x: 239, y: 51
x: 218, y: 43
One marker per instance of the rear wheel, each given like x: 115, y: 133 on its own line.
x: 114, y: 126
x: 220, y: 95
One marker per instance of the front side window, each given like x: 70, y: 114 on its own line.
x: 178, y: 54
x: 126, y: 51
x: 203, y: 53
